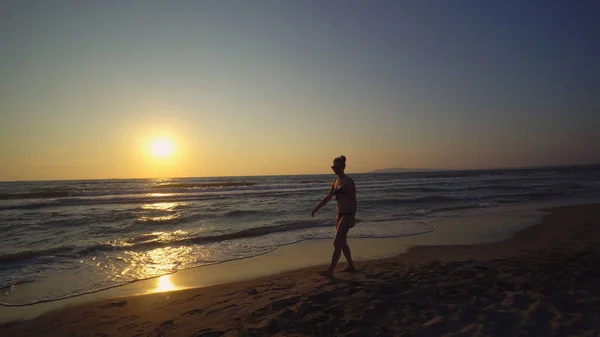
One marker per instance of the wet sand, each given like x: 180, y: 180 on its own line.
x: 543, y: 281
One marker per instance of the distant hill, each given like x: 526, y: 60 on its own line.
x: 498, y: 169
x: 400, y: 169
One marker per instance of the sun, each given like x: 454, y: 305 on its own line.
x: 162, y: 147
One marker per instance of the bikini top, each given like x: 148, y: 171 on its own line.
x: 339, y: 191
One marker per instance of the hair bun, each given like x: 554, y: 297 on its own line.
x: 340, y: 160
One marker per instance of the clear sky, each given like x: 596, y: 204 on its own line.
x: 282, y: 87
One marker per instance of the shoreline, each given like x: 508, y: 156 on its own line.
x: 526, y: 242
x: 476, y: 227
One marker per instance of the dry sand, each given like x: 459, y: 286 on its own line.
x: 545, y: 281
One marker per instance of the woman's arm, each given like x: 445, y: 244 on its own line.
x: 324, y: 201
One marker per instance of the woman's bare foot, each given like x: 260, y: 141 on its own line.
x: 348, y: 269
x: 326, y: 273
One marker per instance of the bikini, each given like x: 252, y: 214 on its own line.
x: 337, y: 192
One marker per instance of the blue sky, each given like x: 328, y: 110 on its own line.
x: 282, y: 87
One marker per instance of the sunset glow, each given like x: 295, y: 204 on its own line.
x: 162, y: 148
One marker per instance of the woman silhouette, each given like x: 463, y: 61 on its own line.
x: 344, y: 190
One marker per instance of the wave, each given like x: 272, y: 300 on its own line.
x: 498, y: 186
x: 439, y: 194
x: 149, y: 197
x: 506, y: 172
x: 493, y: 197
x: 206, y: 185
x: 139, y: 199
x: 543, y: 194
x: 241, y: 213
x: 7, y: 284
x: 426, y: 189
x: 247, y: 233
x: 309, y: 181
x: 45, y: 194
x: 29, y: 254
x: 153, y: 241
x: 35, y: 205
x: 65, y: 198
x: 107, y: 191
x: 426, y: 211
x: 152, y: 195
x: 162, y: 219
x: 415, y: 200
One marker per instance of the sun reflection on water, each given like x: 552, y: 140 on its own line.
x: 134, y: 262
x: 136, y: 265
x: 155, y: 212
x: 160, y: 194
x: 158, y: 218
x: 162, y: 206
x: 164, y: 283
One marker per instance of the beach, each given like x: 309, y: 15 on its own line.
x: 542, y: 281
x: 63, y: 240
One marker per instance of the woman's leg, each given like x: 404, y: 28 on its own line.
x: 346, y: 247
x: 338, y: 243
x: 348, y: 256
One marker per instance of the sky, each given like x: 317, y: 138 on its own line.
x: 283, y: 87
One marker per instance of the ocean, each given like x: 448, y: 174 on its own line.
x: 98, y: 234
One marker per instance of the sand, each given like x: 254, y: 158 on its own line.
x: 544, y: 281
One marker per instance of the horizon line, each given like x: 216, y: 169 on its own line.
x: 405, y: 170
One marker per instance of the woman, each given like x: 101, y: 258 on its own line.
x: 344, y: 190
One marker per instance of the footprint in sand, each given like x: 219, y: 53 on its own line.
x: 114, y: 304
x: 193, y: 312
x: 211, y: 333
